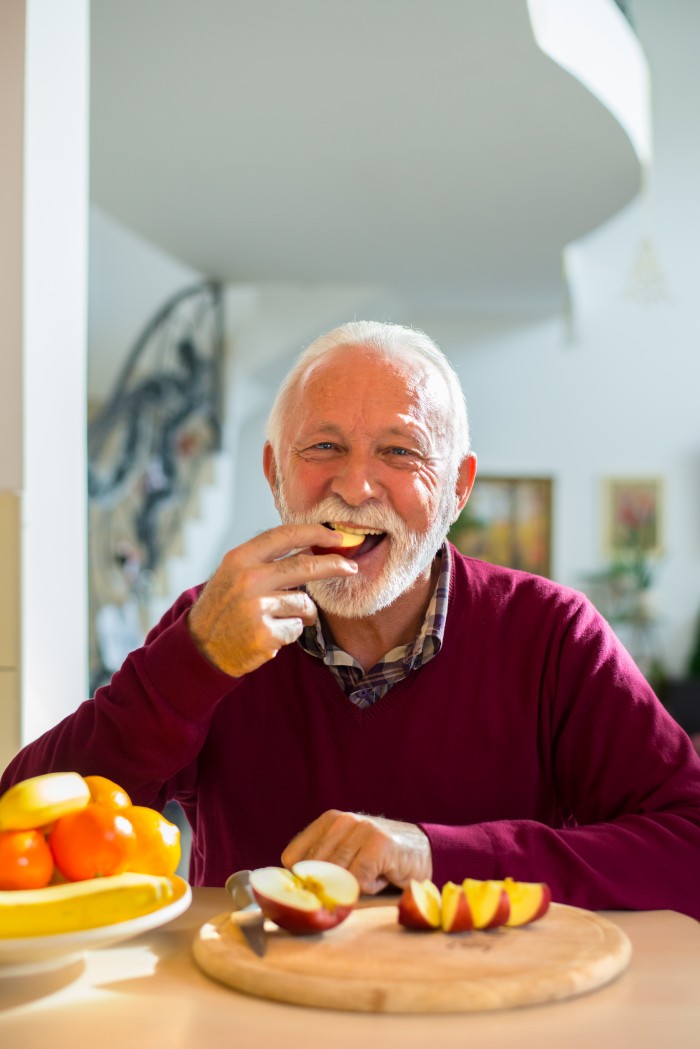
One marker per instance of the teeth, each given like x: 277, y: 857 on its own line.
x: 356, y: 531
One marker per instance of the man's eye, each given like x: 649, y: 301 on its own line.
x: 399, y: 451
x: 319, y: 448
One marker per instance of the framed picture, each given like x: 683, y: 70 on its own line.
x: 508, y: 521
x: 632, y: 516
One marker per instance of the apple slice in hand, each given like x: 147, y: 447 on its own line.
x: 488, y: 902
x: 349, y: 539
x: 528, y: 901
x: 312, y: 897
x: 419, y: 905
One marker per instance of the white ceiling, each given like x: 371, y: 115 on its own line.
x: 427, y: 146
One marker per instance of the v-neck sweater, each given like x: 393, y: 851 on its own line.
x: 531, y: 746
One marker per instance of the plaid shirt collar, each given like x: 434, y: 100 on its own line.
x: 364, y: 689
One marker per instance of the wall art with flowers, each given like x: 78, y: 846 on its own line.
x: 633, y: 517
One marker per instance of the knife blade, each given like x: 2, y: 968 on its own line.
x: 247, y: 914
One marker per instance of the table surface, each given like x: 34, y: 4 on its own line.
x: 149, y: 992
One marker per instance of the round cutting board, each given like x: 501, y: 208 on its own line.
x: 371, y: 964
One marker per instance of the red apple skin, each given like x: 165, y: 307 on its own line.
x: 299, y: 922
x: 344, y: 551
x: 463, y: 919
x: 539, y: 912
x: 544, y: 906
x: 410, y: 914
x: 502, y: 912
x: 347, y: 547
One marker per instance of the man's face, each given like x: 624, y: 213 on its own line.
x: 365, y: 446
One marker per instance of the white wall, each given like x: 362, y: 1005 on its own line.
x: 54, y: 576
x: 613, y: 390
x: 43, y: 263
x: 129, y: 280
x: 12, y: 19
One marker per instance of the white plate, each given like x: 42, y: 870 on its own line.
x: 35, y: 954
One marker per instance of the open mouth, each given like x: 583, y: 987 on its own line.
x: 355, y: 539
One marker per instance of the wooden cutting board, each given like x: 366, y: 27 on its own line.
x: 371, y: 964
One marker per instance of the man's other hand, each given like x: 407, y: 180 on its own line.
x: 251, y: 606
x: 378, y: 851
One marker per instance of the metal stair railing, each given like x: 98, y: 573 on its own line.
x: 148, y: 446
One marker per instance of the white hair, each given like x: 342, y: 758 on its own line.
x: 386, y: 340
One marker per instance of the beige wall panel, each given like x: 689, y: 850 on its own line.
x: 9, y: 581
x: 9, y: 716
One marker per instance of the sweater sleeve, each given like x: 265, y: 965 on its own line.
x: 628, y: 785
x: 145, y: 728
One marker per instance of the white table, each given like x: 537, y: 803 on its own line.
x: 149, y: 993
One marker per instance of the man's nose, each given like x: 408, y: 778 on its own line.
x: 355, y: 481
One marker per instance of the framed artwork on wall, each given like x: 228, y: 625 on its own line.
x: 633, y: 511
x: 508, y: 521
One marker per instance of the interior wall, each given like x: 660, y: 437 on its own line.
x: 56, y: 187
x: 129, y: 280
x: 607, y: 393
x: 43, y: 282
x: 12, y: 36
x: 608, y: 388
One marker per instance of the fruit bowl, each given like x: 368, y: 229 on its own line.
x: 28, y: 955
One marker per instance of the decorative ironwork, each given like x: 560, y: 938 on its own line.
x: 147, y: 448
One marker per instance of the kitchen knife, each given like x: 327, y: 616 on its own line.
x: 247, y: 914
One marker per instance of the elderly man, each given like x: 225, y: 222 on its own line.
x: 401, y: 710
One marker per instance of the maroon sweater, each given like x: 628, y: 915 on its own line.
x: 530, y: 746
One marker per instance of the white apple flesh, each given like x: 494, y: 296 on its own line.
x: 311, y: 898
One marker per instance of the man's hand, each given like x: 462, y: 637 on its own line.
x: 377, y: 851
x: 250, y: 607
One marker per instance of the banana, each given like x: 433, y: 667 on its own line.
x: 79, y: 905
x: 42, y: 799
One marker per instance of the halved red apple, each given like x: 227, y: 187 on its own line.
x: 456, y: 914
x: 488, y: 902
x: 312, y: 897
x: 528, y: 901
x: 420, y: 905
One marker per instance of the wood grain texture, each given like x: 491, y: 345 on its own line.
x: 370, y: 964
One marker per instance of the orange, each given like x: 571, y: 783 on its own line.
x: 25, y: 860
x: 92, y: 843
x: 104, y: 791
x: 158, y: 846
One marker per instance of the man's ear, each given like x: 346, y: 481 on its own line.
x: 270, y: 467
x: 465, y: 482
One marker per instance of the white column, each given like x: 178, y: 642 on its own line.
x: 44, y: 58
x: 12, y: 20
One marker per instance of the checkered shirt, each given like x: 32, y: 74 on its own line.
x: 364, y: 689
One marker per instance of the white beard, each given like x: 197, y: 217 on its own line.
x: 410, y: 553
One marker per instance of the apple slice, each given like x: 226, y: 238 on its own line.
x: 488, y: 901
x: 420, y: 905
x: 312, y: 897
x: 456, y: 915
x: 528, y: 901
x: 349, y: 539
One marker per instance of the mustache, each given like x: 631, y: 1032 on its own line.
x: 333, y: 508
